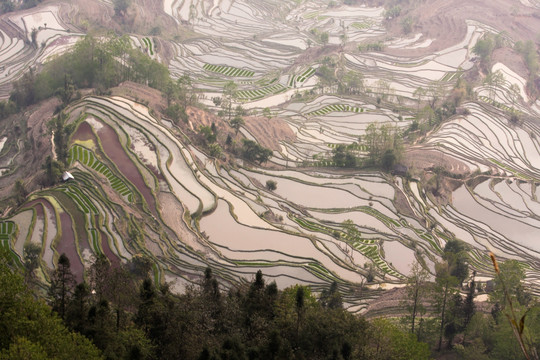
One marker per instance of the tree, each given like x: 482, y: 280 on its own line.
x: 483, y: 48
x: 120, y: 7
x: 510, y: 280
x: 78, y: 307
x: 255, y: 152
x: 66, y: 92
x: 62, y: 284
x: 229, y: 92
x: 456, y: 256
x: 381, y: 139
x: 53, y: 171
x: 388, y: 159
x: 331, y: 298
x: 185, y: 90
x: 324, y: 38
x: 443, y: 291
x: 237, y: 122
x: 29, y: 329
x: 271, y: 185
x: 417, y: 288
x: 419, y: 93
x: 208, y: 135
x: 20, y: 192
x: 61, y: 133
x: 32, y: 254
x: 388, y: 342
x: 494, y: 80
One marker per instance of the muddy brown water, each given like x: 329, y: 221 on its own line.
x: 66, y: 245
x: 114, y: 150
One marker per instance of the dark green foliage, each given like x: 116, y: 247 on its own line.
x: 271, y: 185
x: 384, y: 145
x: 208, y: 135
x: 62, y: 285
x: 120, y: 7
x: 237, y: 122
x: 253, y: 321
x: 455, y: 254
x: 392, y: 12
x: 254, y: 152
x: 94, y: 62
x: 53, y: 171
x: 19, y: 191
x: 343, y: 156
x: 331, y: 298
x: 29, y: 329
x: 32, y: 254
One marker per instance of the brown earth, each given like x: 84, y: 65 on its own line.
x: 419, y: 160
x: 29, y: 146
x: 269, y: 131
x: 512, y: 59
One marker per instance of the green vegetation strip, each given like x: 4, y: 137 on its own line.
x: 87, y: 158
x: 336, y: 108
x: 148, y: 43
x: 514, y: 172
x: 7, y: 231
x: 260, y: 93
x: 228, y: 70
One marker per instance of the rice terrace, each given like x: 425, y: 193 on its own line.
x: 318, y: 141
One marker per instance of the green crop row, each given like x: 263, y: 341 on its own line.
x: 361, y: 25
x: 87, y: 158
x: 228, y: 70
x: 514, y: 172
x: 260, y: 93
x: 355, y: 146
x: 385, y: 219
x: 80, y: 198
x: 7, y: 228
x: 336, y: 108
x: 148, y: 43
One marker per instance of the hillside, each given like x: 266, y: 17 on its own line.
x: 312, y: 78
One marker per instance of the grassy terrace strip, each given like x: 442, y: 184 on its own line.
x: 148, y: 43
x: 305, y: 75
x: 361, y: 25
x: 452, y: 76
x: 313, y: 226
x: 336, y: 108
x: 80, y: 198
x: 366, y: 246
x: 87, y: 158
x: 354, y: 147
x: 514, y: 172
x: 260, y: 93
x: 228, y: 70
x: 495, y: 103
x: 383, y: 218
x: 7, y: 231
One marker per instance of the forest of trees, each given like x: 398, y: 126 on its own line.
x: 118, y: 312
x: 98, y: 63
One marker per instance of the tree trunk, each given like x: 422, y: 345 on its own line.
x: 442, y: 316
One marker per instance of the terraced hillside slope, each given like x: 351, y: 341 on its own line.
x: 313, y: 79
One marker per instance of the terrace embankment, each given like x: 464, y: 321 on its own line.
x: 444, y: 22
x: 269, y: 131
x: 29, y: 143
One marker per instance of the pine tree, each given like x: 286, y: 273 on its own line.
x: 62, y: 284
